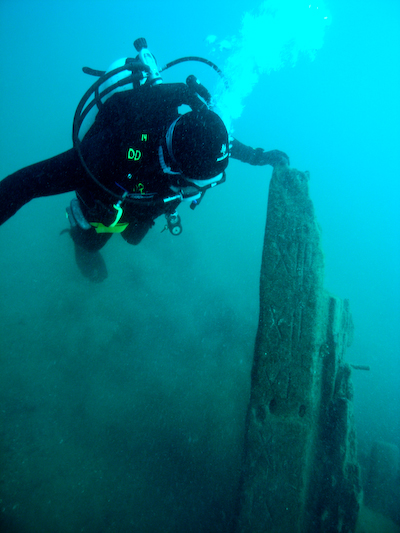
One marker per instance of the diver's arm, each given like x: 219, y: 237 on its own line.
x: 257, y: 156
x: 60, y: 174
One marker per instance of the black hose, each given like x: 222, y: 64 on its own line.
x: 93, y: 72
x: 199, y: 59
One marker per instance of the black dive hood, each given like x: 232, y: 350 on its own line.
x: 139, y: 70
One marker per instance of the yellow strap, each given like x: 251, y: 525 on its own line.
x: 120, y: 212
x: 101, y: 228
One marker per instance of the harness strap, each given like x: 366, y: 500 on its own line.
x: 101, y: 228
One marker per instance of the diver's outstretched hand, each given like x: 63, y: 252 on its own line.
x: 273, y: 158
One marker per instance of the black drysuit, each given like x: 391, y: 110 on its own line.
x: 122, y: 149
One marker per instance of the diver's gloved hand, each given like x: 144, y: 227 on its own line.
x: 273, y: 158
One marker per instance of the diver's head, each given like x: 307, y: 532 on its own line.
x: 198, y: 145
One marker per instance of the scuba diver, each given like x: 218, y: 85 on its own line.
x: 134, y: 157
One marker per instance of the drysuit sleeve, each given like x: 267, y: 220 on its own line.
x: 257, y: 156
x: 60, y: 174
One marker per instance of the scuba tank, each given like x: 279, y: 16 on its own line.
x: 122, y: 75
x: 126, y: 74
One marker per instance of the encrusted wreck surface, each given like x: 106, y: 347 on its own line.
x: 300, y: 472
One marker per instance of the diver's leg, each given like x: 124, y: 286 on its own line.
x: 88, y: 258
x: 87, y: 243
x: 136, y: 231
